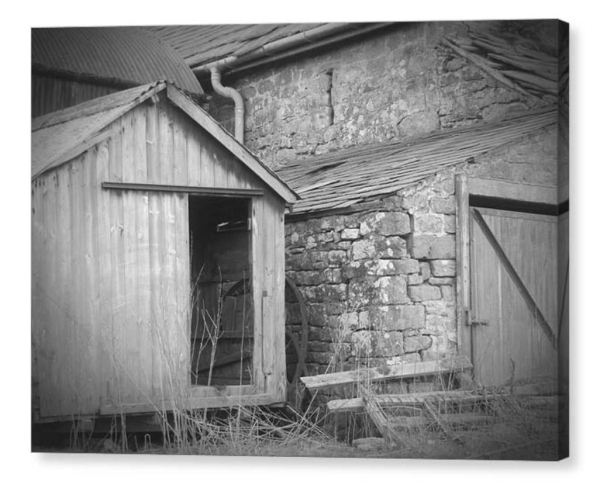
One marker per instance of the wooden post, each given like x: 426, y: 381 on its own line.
x: 463, y: 281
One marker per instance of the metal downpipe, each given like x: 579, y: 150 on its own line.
x: 228, y: 92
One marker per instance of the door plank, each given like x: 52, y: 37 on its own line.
x: 537, y: 313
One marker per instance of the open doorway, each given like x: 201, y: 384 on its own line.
x: 222, y: 329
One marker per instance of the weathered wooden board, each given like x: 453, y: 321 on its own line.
x: 399, y: 371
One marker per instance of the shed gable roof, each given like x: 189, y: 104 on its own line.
x: 344, y: 178
x: 61, y: 136
x: 125, y: 55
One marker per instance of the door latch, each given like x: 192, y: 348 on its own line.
x: 470, y: 322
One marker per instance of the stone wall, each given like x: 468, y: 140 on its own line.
x: 393, y: 85
x: 380, y: 284
x: 531, y: 161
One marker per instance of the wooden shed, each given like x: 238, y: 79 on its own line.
x: 157, y: 261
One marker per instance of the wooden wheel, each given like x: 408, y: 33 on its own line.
x: 296, y: 337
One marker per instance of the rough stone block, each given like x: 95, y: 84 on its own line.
x: 428, y: 224
x: 389, y: 344
x: 449, y: 224
x: 363, y: 343
x: 398, y: 317
x: 440, y: 307
x: 308, y: 278
x: 417, y: 343
x: 343, y: 245
x: 350, y: 234
x: 390, y: 247
x: 382, y: 267
x: 447, y: 185
x: 332, y: 275
x: 394, y: 224
x: 421, y: 293
x: 363, y: 249
x: 327, y: 223
x: 436, y: 325
x: 348, y: 320
x: 335, y: 258
x: 443, y: 247
x: 444, y: 205
x: 408, y: 266
x: 425, y: 270
x: 325, y: 236
x: 441, y: 281
x: 415, y: 279
x: 421, y: 246
x: 392, y: 289
x: 449, y: 293
x: 443, y: 267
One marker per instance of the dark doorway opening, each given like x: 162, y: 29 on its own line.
x: 222, y: 329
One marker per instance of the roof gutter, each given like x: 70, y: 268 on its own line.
x: 290, y: 46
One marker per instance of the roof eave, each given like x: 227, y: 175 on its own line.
x: 294, y: 45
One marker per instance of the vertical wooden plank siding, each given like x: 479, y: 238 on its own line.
x: 142, y: 290
x: 165, y: 144
x: 257, y: 270
x: 103, y: 323
x: 268, y: 287
x: 129, y: 329
x: 92, y: 352
x: 180, y: 157
x: 64, y: 319
x: 463, y: 333
x: 279, y: 372
x: 152, y: 142
x: 194, y: 159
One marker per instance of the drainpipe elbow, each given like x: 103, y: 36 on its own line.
x: 229, y: 92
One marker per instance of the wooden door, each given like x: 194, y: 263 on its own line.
x: 513, y: 318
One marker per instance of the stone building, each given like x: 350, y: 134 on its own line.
x: 372, y: 124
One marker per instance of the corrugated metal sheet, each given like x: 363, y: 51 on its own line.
x: 125, y: 54
x: 202, y: 44
x: 344, y: 178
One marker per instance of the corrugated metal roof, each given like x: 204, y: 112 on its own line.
x: 126, y: 54
x: 341, y: 179
x: 202, y: 44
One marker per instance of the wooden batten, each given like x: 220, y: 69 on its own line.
x: 463, y: 273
